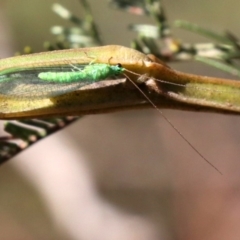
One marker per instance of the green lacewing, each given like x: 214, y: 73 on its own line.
x: 38, y: 76
x: 50, y: 82
x: 55, y: 81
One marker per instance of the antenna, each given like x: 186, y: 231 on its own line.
x: 168, y: 121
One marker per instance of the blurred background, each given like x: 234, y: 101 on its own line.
x: 124, y: 175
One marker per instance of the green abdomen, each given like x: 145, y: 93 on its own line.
x: 60, y: 77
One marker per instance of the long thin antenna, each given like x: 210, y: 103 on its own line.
x: 172, y: 125
x: 179, y: 84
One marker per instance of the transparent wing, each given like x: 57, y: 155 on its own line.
x: 26, y: 84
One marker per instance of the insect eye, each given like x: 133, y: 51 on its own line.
x: 119, y: 65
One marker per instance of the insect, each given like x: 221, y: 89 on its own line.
x: 35, y: 79
x: 55, y: 81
